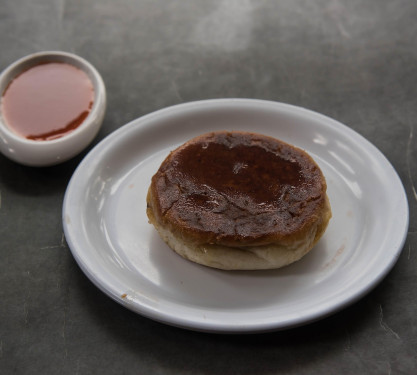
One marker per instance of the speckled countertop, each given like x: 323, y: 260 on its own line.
x: 355, y: 61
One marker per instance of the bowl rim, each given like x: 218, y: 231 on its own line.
x: 28, y: 61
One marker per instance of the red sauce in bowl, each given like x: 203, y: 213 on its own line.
x: 47, y: 101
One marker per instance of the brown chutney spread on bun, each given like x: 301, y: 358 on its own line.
x: 239, y: 201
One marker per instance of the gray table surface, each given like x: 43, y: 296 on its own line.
x: 355, y: 61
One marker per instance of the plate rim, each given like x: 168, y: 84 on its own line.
x: 208, y: 326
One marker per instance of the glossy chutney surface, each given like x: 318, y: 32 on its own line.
x: 238, y: 185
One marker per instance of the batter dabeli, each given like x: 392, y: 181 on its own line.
x: 236, y: 200
x: 47, y: 101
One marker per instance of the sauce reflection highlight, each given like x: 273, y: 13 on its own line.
x: 47, y: 101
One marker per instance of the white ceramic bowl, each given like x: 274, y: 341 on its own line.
x: 51, y: 152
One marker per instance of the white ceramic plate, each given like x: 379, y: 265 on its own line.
x: 107, y: 229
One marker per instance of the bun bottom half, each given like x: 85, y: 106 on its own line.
x: 270, y: 256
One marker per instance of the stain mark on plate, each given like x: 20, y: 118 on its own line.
x: 336, y: 256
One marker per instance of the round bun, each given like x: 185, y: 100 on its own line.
x: 239, y: 201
